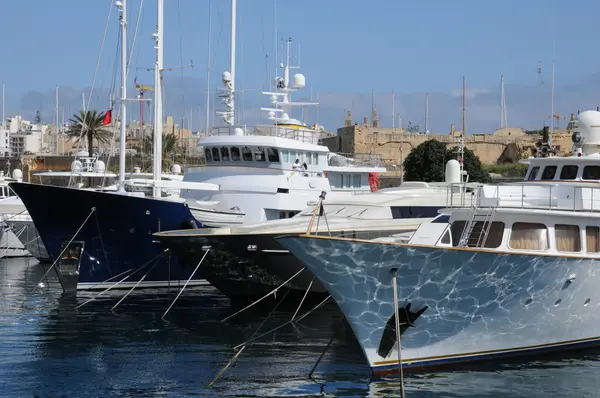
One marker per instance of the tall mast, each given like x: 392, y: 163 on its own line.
x: 552, y: 111
x: 464, y: 128
x: 232, y: 66
x: 3, y: 107
x: 122, y: 5
x: 503, y: 117
x: 158, y: 69
x: 393, y: 109
x: 426, y: 113
x: 207, y: 122
x: 57, y: 123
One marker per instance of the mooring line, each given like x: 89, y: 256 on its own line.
x: 186, y: 283
x: 100, y: 283
x: 284, y: 324
x: 321, y: 356
x: 134, y: 286
x: 304, y: 297
x: 62, y: 252
x: 263, y: 297
x: 102, y: 243
x: 7, y: 244
x: 234, y: 358
x: 120, y: 281
x: 398, y: 334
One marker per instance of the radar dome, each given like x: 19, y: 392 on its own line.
x: 226, y: 76
x: 452, y: 171
x: 99, y: 166
x: 271, y: 114
x: 176, y: 169
x: 298, y: 81
x: 285, y: 116
x: 238, y: 131
x: 588, y: 129
x: 17, y: 174
x: 83, y: 154
x: 137, y: 169
x: 273, y: 99
x: 76, y: 166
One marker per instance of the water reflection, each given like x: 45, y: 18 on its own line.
x: 51, y: 348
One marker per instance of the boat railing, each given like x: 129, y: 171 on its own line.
x: 305, y: 134
x: 355, y: 159
x: 543, y: 196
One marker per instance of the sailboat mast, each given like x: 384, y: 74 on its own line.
x: 426, y: 113
x: 123, y: 121
x: 232, y: 66
x: 57, y: 123
x: 207, y: 122
x: 158, y: 68
x: 552, y: 111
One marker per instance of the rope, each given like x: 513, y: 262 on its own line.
x: 398, y: 334
x: 134, y: 286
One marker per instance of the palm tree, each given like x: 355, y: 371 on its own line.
x: 89, y: 125
x: 169, y: 146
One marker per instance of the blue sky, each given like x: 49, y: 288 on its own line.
x: 347, y: 49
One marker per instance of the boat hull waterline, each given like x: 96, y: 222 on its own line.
x: 456, y: 306
x: 115, y: 240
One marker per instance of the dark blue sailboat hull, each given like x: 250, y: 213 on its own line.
x: 102, y: 237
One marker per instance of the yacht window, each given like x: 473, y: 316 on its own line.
x: 235, y: 153
x: 309, y: 158
x: 208, y: 155
x: 528, y: 236
x: 415, y: 212
x: 591, y: 239
x: 567, y: 238
x: 568, y: 172
x: 348, y: 181
x: 286, y: 156
x: 356, y: 181
x: 246, y: 154
x: 259, y: 154
x: 273, y: 155
x: 215, y: 152
x: 549, y: 172
x: 591, y: 173
x: 533, y: 173
x: 225, y: 154
x: 477, y: 236
x: 315, y: 158
x: 442, y: 218
x: 446, y: 238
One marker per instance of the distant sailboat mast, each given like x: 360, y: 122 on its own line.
x: 122, y: 5
x: 158, y: 69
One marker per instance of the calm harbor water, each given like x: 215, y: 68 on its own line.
x: 49, y: 348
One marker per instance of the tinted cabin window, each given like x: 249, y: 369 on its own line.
x: 591, y: 173
x: 215, y: 152
x: 246, y: 154
x: 592, y: 239
x: 273, y: 155
x: 208, y: 155
x: 446, y: 238
x: 235, y: 153
x: 567, y: 238
x: 286, y: 156
x: 528, y: 236
x: 549, y: 173
x: 568, y: 172
x: 259, y: 154
x: 414, y: 211
x: 225, y: 154
x: 477, y: 236
x: 533, y: 173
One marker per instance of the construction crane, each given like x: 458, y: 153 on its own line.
x: 557, y: 116
x: 142, y: 89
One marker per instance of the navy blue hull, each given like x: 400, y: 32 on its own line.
x: 115, y: 239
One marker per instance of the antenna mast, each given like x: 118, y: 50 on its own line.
x: 426, y: 113
x: 503, y: 117
x: 552, y: 112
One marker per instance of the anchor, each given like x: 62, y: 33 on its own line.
x: 407, y: 319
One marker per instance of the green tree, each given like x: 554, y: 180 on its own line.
x: 169, y: 146
x: 89, y: 125
x: 427, y: 162
x: 38, y: 118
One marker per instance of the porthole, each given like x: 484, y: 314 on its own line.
x: 557, y: 302
x: 529, y: 301
x: 587, y: 302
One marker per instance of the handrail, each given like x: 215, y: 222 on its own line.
x: 557, y: 196
x: 305, y: 134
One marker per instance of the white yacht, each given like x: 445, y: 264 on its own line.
x: 514, y: 274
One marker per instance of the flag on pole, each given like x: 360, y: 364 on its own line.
x: 135, y: 80
x: 107, y: 117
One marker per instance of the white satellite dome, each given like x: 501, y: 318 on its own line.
x: 137, y: 169
x: 176, y: 169
x: 99, y: 166
x: 83, y: 154
x: 271, y: 114
x: 588, y: 130
x: 238, y: 131
x: 298, y: 81
x: 226, y: 76
x: 76, y: 166
x: 452, y: 171
x: 17, y: 174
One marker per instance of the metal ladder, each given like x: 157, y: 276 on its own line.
x: 471, y: 226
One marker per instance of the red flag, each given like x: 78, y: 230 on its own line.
x: 107, y: 117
